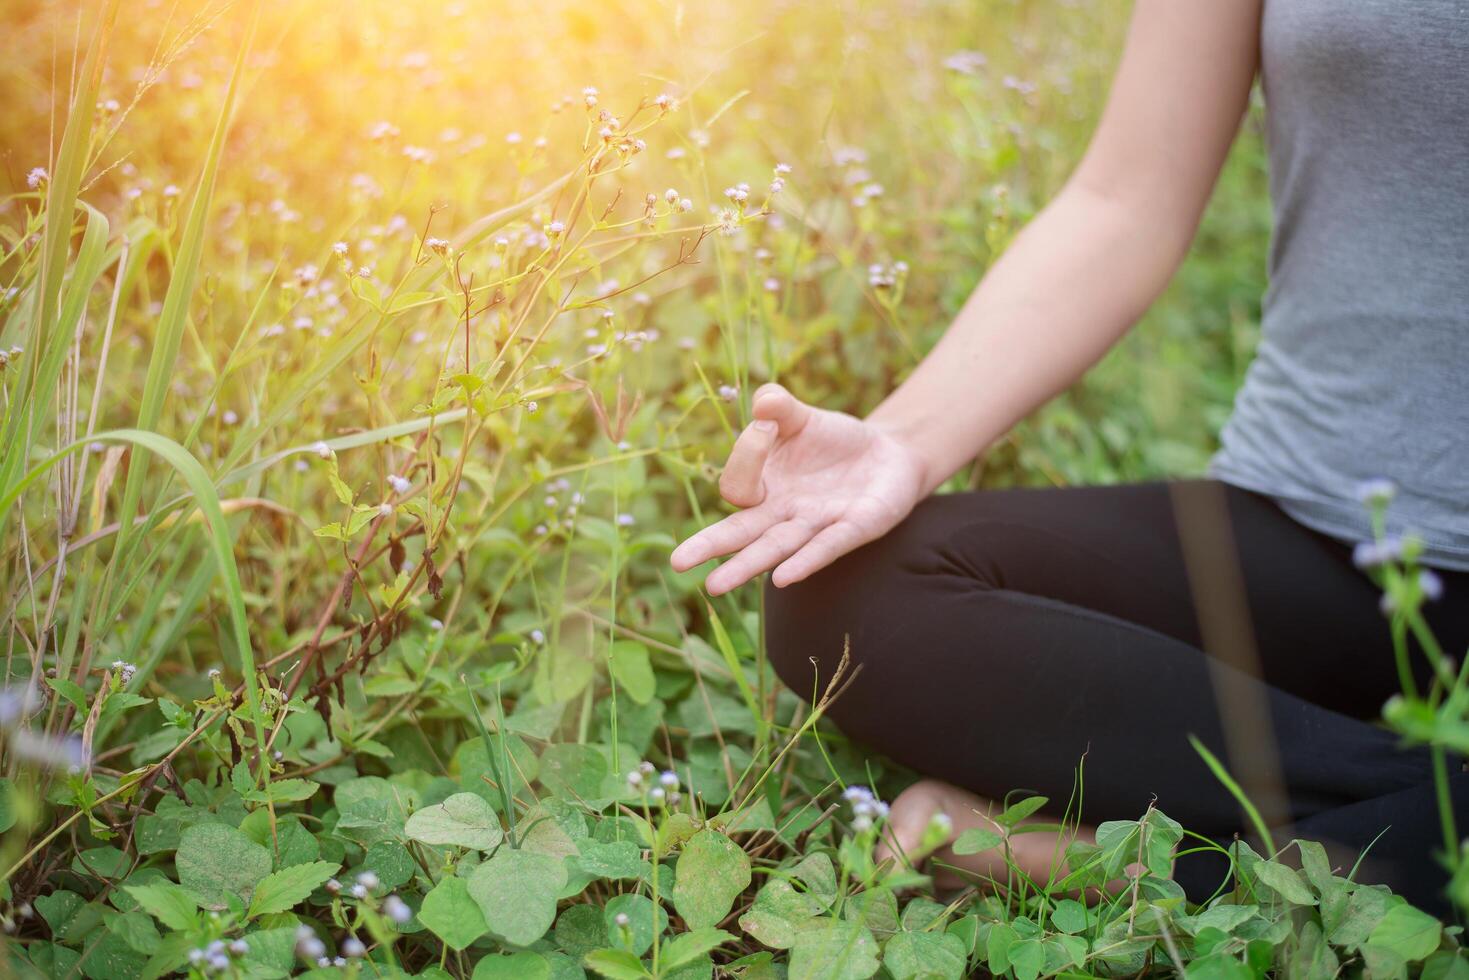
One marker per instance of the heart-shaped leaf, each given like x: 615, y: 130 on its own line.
x: 216, y: 861
x: 516, y: 892
x: 712, y: 871
x: 452, y: 914
x: 462, y: 820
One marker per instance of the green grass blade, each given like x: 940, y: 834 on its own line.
x: 220, y: 541
x: 176, y: 300
x: 1222, y: 774
x: 30, y: 399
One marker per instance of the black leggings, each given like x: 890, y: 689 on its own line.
x: 1003, y: 635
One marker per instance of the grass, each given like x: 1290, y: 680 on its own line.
x: 364, y: 363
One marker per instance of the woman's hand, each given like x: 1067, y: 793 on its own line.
x: 815, y: 484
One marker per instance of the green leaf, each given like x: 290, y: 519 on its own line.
x: 463, y: 820
x: 1001, y: 940
x: 925, y: 956
x: 611, y: 859
x: 215, y: 861
x: 1018, y: 811
x: 1285, y: 882
x: 138, y: 931
x: 1407, y: 931
x: 778, y: 914
x: 643, y: 919
x: 516, y: 966
x: 574, y: 772
x: 8, y: 809
x: 1027, y: 959
x: 977, y: 840
x: 1069, y: 916
x: 616, y: 964
x: 712, y: 871
x: 516, y: 891
x: 284, y: 889
x: 450, y: 913
x: 690, y: 946
x: 833, y: 949
x: 283, y: 791
x: 1218, y: 966
x: 173, y: 905
x: 633, y: 670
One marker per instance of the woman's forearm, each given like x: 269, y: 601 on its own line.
x: 1071, y: 284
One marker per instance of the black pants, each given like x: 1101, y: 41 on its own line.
x: 1004, y: 635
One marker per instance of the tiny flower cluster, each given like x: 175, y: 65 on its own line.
x: 881, y: 276
x: 218, y: 955
x: 660, y: 791
x: 867, y: 809
x: 125, y: 670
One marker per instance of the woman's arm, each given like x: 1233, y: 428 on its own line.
x: 1090, y: 264
x: 815, y: 484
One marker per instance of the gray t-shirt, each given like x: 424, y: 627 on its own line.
x: 1363, y: 366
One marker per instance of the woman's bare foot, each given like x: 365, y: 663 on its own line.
x: 914, y: 832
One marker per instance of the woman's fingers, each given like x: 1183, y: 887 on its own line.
x: 831, y: 543
x: 722, y: 537
x: 740, y: 483
x: 769, y: 550
x: 780, y: 406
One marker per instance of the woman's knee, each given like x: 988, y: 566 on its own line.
x: 812, y: 627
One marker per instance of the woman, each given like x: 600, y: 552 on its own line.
x: 1003, y: 636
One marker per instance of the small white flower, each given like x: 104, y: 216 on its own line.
x: 352, y: 948
x: 323, y: 450
x: 729, y: 392
x: 1376, y: 492
x: 397, y: 909
x: 37, y: 177
x: 340, y: 248
x: 626, y: 520
x: 1430, y: 585
x: 385, y: 509
x: 400, y: 485
x: 668, y: 780
x: 621, y: 919
x: 538, y: 636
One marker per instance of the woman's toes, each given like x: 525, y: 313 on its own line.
x: 922, y: 818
